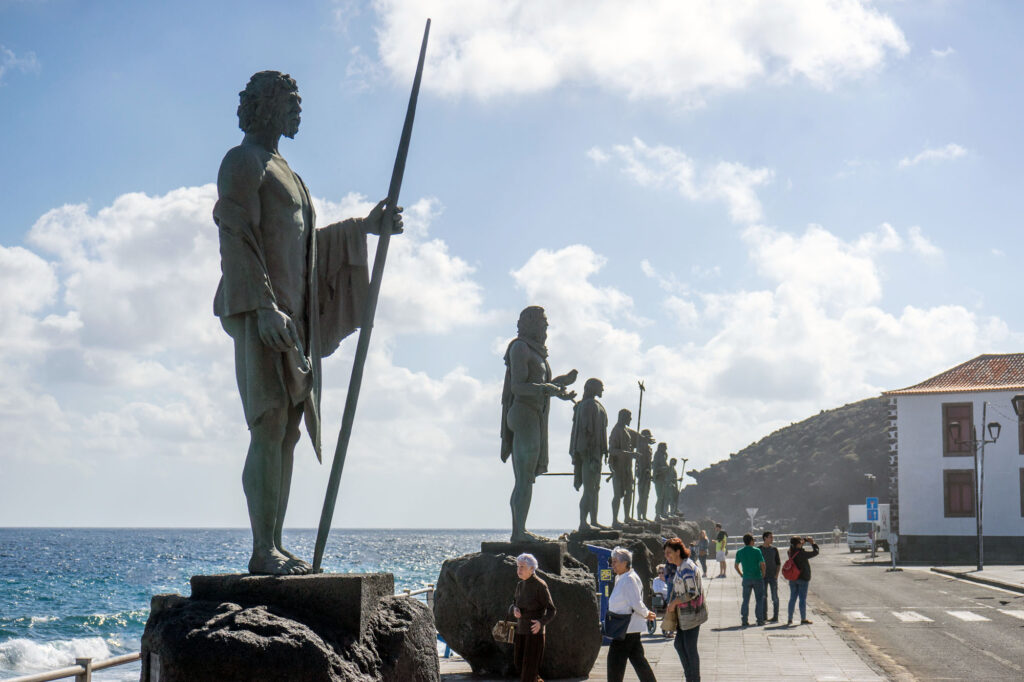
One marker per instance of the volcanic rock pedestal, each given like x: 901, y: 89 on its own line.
x: 345, y: 627
x: 475, y: 591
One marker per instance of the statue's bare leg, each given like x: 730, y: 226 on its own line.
x: 291, y: 439
x: 525, y: 424
x: 261, y: 481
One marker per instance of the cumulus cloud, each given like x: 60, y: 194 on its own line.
x: 948, y: 153
x: 656, y: 48
x: 108, y: 330
x: 662, y: 166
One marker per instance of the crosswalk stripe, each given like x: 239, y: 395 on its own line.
x: 967, y: 615
x: 911, y: 617
x: 1016, y: 613
x: 858, y: 616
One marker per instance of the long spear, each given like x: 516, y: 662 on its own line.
x: 639, y: 414
x: 354, y: 384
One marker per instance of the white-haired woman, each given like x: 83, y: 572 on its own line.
x: 533, y: 608
x: 628, y: 598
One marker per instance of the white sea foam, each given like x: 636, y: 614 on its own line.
x: 26, y: 655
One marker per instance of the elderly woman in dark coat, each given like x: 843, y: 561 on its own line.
x: 533, y: 608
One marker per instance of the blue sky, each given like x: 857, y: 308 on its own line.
x: 763, y: 209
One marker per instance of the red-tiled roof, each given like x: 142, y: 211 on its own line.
x: 983, y: 373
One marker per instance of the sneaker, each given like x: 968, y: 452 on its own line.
x: 806, y: 622
x: 773, y: 619
x: 760, y: 622
x: 789, y: 623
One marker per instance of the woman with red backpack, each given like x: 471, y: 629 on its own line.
x: 797, y: 570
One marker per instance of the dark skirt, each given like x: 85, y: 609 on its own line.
x: 529, y: 651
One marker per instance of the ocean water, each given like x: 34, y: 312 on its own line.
x: 85, y: 592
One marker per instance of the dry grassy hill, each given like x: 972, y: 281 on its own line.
x: 802, y: 477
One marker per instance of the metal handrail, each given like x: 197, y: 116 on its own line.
x: 84, y: 667
x: 82, y: 670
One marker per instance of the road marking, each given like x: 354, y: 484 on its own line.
x: 1008, y: 664
x: 858, y: 616
x: 911, y: 617
x: 968, y: 616
x: 1016, y: 613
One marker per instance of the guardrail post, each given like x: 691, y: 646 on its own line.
x: 430, y: 595
x: 86, y: 675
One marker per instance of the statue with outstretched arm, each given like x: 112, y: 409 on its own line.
x: 525, y: 403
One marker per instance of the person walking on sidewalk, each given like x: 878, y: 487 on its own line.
x: 627, y: 597
x: 772, y: 566
x: 686, y: 592
x: 702, y: 551
x: 798, y: 587
x: 750, y: 565
x: 721, y: 549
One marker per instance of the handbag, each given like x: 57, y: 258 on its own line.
x: 616, y: 624
x: 504, y: 631
x: 693, y: 613
x: 670, y: 623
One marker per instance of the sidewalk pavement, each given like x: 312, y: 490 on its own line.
x: 729, y: 652
x: 1006, y: 577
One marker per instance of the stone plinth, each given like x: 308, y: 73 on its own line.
x: 550, y: 555
x: 345, y: 601
x: 334, y: 628
x: 475, y: 591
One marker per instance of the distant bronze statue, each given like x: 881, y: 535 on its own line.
x: 644, y: 459
x: 289, y: 293
x: 661, y: 473
x: 588, y: 446
x: 525, y: 402
x: 620, y: 461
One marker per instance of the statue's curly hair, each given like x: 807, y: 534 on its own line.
x: 256, y: 103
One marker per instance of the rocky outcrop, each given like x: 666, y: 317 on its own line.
x: 475, y: 591
x: 198, y: 640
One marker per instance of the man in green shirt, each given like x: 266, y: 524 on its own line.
x: 750, y: 566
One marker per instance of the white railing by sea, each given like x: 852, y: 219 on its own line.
x: 781, y: 539
x: 83, y: 668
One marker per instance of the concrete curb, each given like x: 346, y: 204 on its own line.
x: 1013, y: 587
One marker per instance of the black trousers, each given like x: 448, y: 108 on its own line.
x: 631, y: 649
x: 529, y: 650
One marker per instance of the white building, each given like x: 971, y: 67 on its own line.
x: 932, y: 476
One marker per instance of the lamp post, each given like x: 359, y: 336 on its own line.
x: 870, y: 478
x: 978, y: 447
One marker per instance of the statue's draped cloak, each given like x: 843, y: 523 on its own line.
x: 589, y: 438
x: 507, y: 398
x: 336, y: 284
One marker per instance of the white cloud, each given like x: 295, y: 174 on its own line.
x: 948, y: 153
x: 922, y: 245
x: 9, y: 62
x: 662, y: 166
x: 939, y: 54
x: 655, y: 48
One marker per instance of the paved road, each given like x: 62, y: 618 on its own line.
x: 918, y: 625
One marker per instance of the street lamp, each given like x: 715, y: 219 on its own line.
x: 994, y: 429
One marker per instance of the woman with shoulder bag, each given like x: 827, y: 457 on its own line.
x: 798, y: 587
x: 626, y: 603
x: 687, y: 607
x: 533, y: 608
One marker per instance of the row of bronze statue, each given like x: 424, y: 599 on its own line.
x: 526, y: 396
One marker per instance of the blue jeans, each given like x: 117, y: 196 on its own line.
x: 757, y: 586
x: 686, y: 647
x: 771, y: 585
x: 798, y: 588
